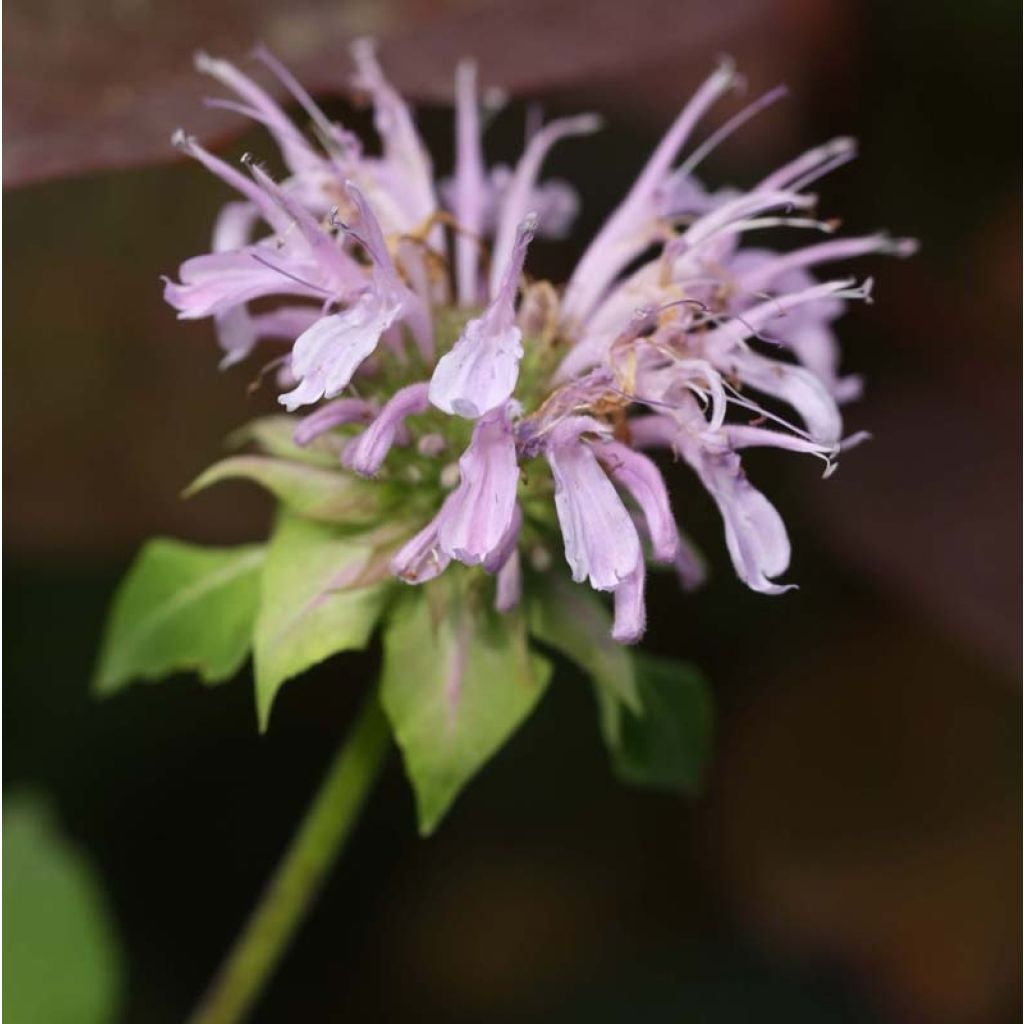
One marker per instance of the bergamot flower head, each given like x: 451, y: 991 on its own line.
x: 507, y: 409
x: 452, y: 423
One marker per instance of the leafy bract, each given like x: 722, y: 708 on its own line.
x: 573, y: 621
x: 314, y: 492
x: 273, y: 435
x: 667, y: 747
x: 181, y: 607
x: 457, y: 681
x: 322, y: 593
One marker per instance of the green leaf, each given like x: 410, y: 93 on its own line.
x: 572, y: 620
x: 667, y: 747
x: 305, y: 614
x: 310, y: 491
x: 61, y: 960
x: 457, y: 681
x: 181, y: 607
x: 273, y: 436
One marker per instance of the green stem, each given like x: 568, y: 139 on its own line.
x: 300, y: 874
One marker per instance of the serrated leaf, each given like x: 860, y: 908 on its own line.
x: 181, y: 607
x: 273, y: 436
x: 310, y: 491
x: 61, y: 957
x: 572, y: 620
x: 315, y: 602
x: 457, y: 682
x: 668, y: 746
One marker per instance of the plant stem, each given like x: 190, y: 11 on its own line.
x: 301, y: 872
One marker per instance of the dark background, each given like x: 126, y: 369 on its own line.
x: 855, y: 857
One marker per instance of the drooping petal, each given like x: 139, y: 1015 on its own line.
x: 238, y: 330
x: 370, y: 449
x: 421, y: 558
x: 638, y: 475
x: 236, y: 333
x: 689, y: 565
x: 601, y: 542
x: 509, y: 590
x: 795, y: 385
x: 507, y: 545
x: 480, y: 511
x: 630, y: 608
x: 327, y: 355
x: 754, y: 532
x: 480, y: 372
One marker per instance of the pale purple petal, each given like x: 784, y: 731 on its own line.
x: 653, y: 431
x: 296, y: 150
x: 521, y: 189
x: 269, y: 210
x: 555, y: 202
x: 740, y: 436
x: 479, y: 512
x: 341, y: 272
x: 682, y: 176
x: 338, y: 413
x: 627, y: 230
x: 754, y: 532
x: 480, y: 372
x: 406, y: 156
x: 630, y: 607
x: 601, y: 542
x: 507, y: 545
x: 217, y: 281
x: 689, y: 565
x: 797, y: 386
x: 371, y: 448
x: 815, y: 162
x: 509, y: 588
x: 286, y: 321
x: 332, y: 135
x: 469, y: 191
x: 327, y: 355
x: 421, y: 558
x: 236, y: 331
x: 638, y: 475
x: 767, y: 271
x: 386, y: 277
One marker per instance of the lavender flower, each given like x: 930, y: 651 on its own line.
x: 380, y: 288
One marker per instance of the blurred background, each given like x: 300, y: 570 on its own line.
x: 856, y: 855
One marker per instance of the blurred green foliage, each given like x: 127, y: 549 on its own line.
x: 61, y: 959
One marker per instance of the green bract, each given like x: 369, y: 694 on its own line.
x: 457, y: 679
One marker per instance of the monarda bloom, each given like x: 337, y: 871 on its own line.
x: 446, y: 409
